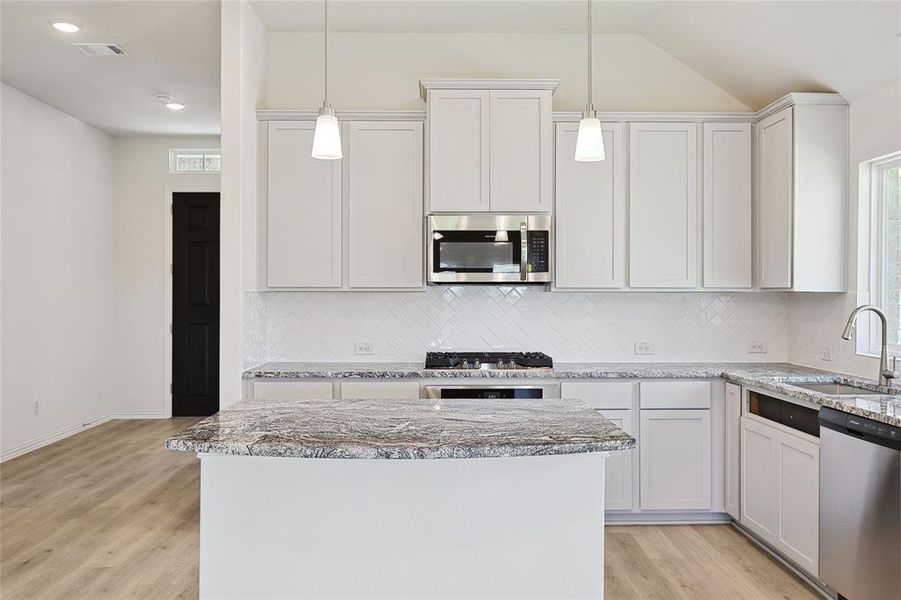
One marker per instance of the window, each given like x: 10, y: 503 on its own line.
x: 881, y: 181
x: 207, y: 160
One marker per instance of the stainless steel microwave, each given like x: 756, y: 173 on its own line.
x: 489, y: 248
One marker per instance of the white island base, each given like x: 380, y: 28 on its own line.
x: 522, y: 527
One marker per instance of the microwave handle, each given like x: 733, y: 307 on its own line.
x: 524, y: 252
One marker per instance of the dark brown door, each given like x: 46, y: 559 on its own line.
x: 195, y: 303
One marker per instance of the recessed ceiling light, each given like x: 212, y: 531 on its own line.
x: 66, y: 26
x: 170, y: 103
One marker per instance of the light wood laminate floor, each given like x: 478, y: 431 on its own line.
x: 110, y: 513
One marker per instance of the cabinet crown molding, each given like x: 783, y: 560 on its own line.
x: 793, y: 98
x: 342, y: 115
x: 486, y: 84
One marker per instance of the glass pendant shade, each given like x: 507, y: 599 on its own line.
x: 590, y: 141
x: 327, y: 138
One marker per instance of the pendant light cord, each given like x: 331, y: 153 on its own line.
x: 326, y: 52
x: 590, y: 84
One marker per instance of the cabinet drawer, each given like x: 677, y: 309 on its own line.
x: 292, y: 390
x: 675, y: 394
x: 382, y: 390
x: 601, y: 395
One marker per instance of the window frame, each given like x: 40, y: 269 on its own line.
x: 871, y: 188
x: 174, y: 153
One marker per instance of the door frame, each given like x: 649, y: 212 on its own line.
x: 167, y: 320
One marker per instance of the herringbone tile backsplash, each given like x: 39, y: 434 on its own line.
x: 324, y: 326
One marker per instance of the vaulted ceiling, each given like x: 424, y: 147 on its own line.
x: 755, y: 51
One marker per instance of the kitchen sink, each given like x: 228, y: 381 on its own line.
x: 836, y: 389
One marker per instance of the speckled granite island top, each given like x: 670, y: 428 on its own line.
x: 403, y: 429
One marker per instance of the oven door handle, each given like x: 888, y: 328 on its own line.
x: 524, y: 252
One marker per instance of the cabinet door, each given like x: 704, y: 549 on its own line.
x: 758, y: 480
x: 774, y: 199
x: 458, y: 150
x: 733, y: 449
x: 292, y: 390
x: 391, y: 390
x: 675, y: 459
x: 618, y: 478
x: 521, y: 146
x: 727, y: 205
x: 798, y: 499
x: 303, y: 210
x: 590, y: 212
x: 663, y: 205
x: 384, y: 194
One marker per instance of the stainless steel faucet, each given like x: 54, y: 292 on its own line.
x: 885, y: 374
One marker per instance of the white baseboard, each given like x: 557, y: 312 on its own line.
x: 56, y: 436
x: 140, y: 415
x: 50, y: 438
x: 667, y: 518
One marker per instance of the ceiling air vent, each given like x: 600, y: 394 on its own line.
x: 92, y: 49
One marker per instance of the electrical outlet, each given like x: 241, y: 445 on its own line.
x: 365, y: 348
x: 644, y: 348
x: 757, y: 347
x: 828, y: 354
x: 37, y: 407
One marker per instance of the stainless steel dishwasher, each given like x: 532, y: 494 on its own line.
x: 860, y: 506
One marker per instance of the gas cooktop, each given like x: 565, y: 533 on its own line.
x: 488, y: 360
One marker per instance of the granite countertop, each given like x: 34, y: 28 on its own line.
x: 403, y: 429
x: 777, y: 377
x: 417, y: 370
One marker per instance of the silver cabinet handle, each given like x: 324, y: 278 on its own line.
x: 524, y: 252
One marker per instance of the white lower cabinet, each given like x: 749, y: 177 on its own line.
x: 614, y: 400
x: 291, y: 390
x: 618, y: 494
x: 675, y: 455
x: 780, y: 490
x: 732, y: 458
x: 391, y: 390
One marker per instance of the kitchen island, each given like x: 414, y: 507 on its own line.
x: 402, y: 498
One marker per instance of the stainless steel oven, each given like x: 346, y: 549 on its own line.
x: 489, y: 248
x: 476, y: 391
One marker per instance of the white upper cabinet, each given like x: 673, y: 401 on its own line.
x: 384, y: 196
x: 520, y: 151
x: 727, y: 205
x: 774, y: 199
x: 590, y: 212
x: 458, y: 150
x: 663, y: 203
x: 802, y: 180
x: 303, y: 210
x: 490, y: 145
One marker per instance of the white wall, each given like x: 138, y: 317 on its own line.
x: 816, y: 320
x: 58, y: 286
x: 381, y: 71
x: 142, y: 184
x: 243, y: 52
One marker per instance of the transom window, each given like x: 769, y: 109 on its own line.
x: 207, y: 160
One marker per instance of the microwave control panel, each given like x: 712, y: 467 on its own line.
x: 538, y: 251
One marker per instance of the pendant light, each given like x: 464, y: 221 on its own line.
x: 327, y: 137
x: 590, y: 141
